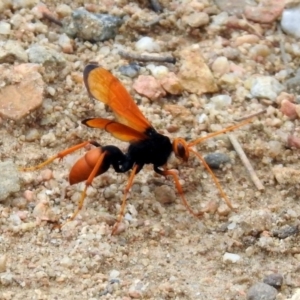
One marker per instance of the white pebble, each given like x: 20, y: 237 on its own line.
x: 290, y: 21
x: 157, y: 71
x: 114, y: 274
x: 5, y: 28
x: 231, y: 257
x: 147, y: 44
x: 221, y: 101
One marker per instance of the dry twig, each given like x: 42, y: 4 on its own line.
x: 251, y: 115
x: 236, y: 145
x: 134, y: 56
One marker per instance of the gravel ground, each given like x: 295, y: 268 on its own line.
x: 161, y: 251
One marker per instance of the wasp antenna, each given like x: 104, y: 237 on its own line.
x: 216, y: 181
x: 213, y: 134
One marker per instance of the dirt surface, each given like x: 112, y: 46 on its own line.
x: 162, y: 252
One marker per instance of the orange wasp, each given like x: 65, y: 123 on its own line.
x: 146, y: 145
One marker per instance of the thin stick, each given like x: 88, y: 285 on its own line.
x: 236, y: 145
x: 134, y: 56
x: 251, y: 115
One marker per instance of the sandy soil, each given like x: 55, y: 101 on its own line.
x: 163, y: 252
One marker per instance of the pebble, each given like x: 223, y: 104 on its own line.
x: 11, y: 51
x: 10, y: 181
x: 220, y: 66
x: 149, y: 87
x: 286, y: 175
x: 275, y: 280
x: 66, y: 43
x: 196, y: 19
x: 215, y: 160
x: 268, y: 11
x: 3, y: 263
x: 5, y: 28
x: 231, y: 258
x: 63, y: 10
x: 32, y: 135
x: 296, y: 295
x: 165, y: 194
x: 261, y: 291
x: 286, y: 231
x: 131, y: 70
x: 46, y: 56
x: 232, y: 7
x: 90, y: 26
x: 289, y: 21
x: 266, y: 87
x: 220, y: 101
x: 20, y: 98
x: 147, y: 44
x: 289, y: 109
x: 246, y: 39
x: 114, y: 274
x: 171, y: 84
x: 195, y: 76
x: 157, y: 71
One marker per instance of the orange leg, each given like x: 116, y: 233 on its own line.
x: 59, y: 155
x: 217, y: 183
x: 127, y: 188
x: 87, y: 184
x: 180, y: 191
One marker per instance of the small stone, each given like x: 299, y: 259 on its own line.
x: 6, y: 278
x: 289, y: 21
x: 171, y: 84
x: 194, y: 74
x: 158, y: 71
x: 232, y: 7
x: 131, y: 70
x: 5, y: 28
x: 148, y: 86
x: 11, y: 51
x: 65, y: 43
x: 231, y: 258
x: 220, y: 66
x: 32, y: 135
x: 48, y: 139
x: 220, y: 101
x: 67, y: 262
x: 285, y: 175
x: 3, y: 262
x: 45, y: 56
x: 196, y: 19
x: 91, y: 27
x: 165, y: 194
x: 286, y: 231
x: 63, y: 10
x: 266, y: 87
x: 10, y: 181
x: 261, y: 291
x: 268, y: 11
x: 147, y: 44
x: 289, y: 109
x: 114, y: 274
x: 246, y: 39
x: 223, y: 210
x: 46, y: 174
x: 29, y: 195
x: 24, y: 95
x: 275, y: 280
x: 215, y: 160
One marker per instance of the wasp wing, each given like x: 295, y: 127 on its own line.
x: 118, y: 130
x: 105, y: 87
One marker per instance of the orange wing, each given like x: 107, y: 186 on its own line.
x: 105, y: 87
x: 119, y: 131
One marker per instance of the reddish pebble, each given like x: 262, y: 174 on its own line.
x: 171, y: 84
x: 28, y: 195
x: 148, y: 86
x: 289, y: 109
x: 46, y: 175
x: 293, y: 141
